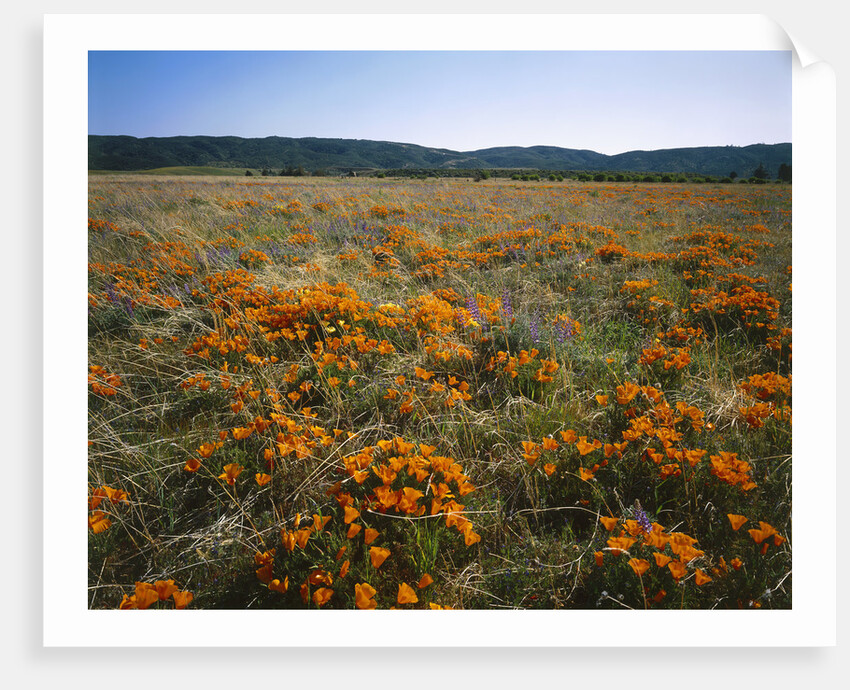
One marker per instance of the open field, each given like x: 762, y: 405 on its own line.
x: 341, y: 393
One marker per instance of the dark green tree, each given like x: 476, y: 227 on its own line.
x: 761, y: 173
x: 784, y: 172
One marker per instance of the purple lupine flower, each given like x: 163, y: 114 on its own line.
x: 563, y: 330
x: 642, y: 518
x: 507, y: 307
x: 475, y: 312
x: 534, y: 328
x: 110, y: 293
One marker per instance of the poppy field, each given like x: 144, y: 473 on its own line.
x: 339, y: 393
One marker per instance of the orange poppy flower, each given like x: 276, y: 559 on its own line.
x: 406, y: 595
x: 288, y: 539
x: 278, y: 586
x: 626, y: 392
x: 343, y: 571
x: 302, y: 536
x: 363, y: 594
x: 550, y: 444
x: 320, y: 577
x: 661, y: 559
x: 96, y: 497
x: 767, y: 529
x: 165, y: 588
x: 585, y: 473
x: 758, y: 535
x: 677, y: 569
x: 568, y: 436
x: 408, y: 498
x: 609, y: 522
x: 241, y: 432
x: 378, y: 555
x: 736, y: 563
x: 263, y: 478
x: 319, y: 522
x: 321, y: 596
x: 423, y: 374
x: 598, y: 556
x: 549, y: 469
x: 182, y: 599
x: 532, y: 451
x: 192, y: 465
x: 98, y: 522
x: 353, y: 530
x: 736, y: 520
x: 602, y: 400
x: 231, y: 471
x: 694, y: 456
x: 425, y: 581
x: 146, y: 595
x: 115, y: 495
x: 370, y: 535
x: 639, y: 565
x: 619, y: 545
x: 655, y: 538
x: 701, y: 578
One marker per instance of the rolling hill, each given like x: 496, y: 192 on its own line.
x: 125, y: 153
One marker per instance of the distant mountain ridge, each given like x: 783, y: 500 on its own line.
x: 123, y: 153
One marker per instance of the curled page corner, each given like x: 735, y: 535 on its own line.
x: 805, y: 56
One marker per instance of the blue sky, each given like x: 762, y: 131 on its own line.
x: 608, y: 102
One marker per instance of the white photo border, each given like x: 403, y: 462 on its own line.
x: 67, y: 620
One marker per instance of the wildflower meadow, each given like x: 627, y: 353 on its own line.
x: 339, y: 393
